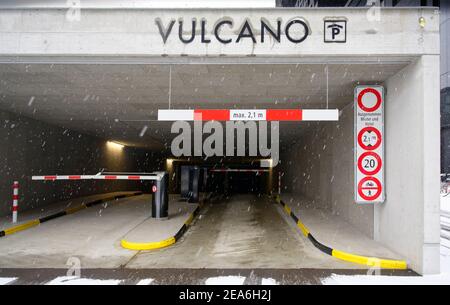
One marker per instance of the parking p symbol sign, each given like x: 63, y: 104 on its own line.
x: 335, y: 31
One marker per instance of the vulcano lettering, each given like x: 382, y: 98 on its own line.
x: 225, y: 31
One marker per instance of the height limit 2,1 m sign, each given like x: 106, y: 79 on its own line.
x: 369, y: 144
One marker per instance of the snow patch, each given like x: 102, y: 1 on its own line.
x: 73, y: 280
x: 445, y: 203
x: 335, y: 279
x: 269, y: 281
x: 145, y: 282
x: 7, y: 280
x: 225, y: 280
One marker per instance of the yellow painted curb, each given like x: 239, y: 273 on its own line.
x: 344, y: 256
x: 188, y: 222
x: 76, y: 209
x: 287, y: 209
x: 147, y: 246
x: 302, y: 227
x: 163, y: 243
x: 68, y: 211
x: 370, y: 261
x: 22, y: 227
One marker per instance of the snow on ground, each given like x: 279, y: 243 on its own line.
x: 73, y: 280
x: 225, y: 280
x: 445, y: 203
x: 386, y: 280
x: 269, y: 281
x: 445, y: 233
x: 7, y: 280
x: 145, y: 282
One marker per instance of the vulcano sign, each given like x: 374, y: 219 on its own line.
x: 225, y: 31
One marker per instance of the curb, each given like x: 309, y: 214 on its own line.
x: 344, y: 256
x: 36, y: 222
x: 163, y: 243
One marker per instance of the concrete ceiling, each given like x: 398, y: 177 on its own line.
x: 117, y: 101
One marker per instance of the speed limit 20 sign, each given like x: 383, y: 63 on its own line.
x: 369, y: 144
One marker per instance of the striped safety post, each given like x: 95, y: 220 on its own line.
x: 15, y: 206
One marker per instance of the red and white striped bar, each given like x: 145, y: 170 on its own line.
x: 95, y: 177
x: 290, y: 115
x: 15, y: 206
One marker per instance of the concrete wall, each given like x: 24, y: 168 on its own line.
x: 408, y: 222
x: 305, y: 168
x: 31, y: 147
x: 320, y: 168
x: 128, y: 32
x: 342, y: 191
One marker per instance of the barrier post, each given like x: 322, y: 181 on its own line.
x: 15, y: 206
x: 160, y: 198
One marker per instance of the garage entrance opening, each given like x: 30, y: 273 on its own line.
x: 243, y: 226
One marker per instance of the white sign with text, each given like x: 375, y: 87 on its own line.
x: 369, y: 144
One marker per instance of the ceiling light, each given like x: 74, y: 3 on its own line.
x: 115, y: 145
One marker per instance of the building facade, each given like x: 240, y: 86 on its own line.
x: 404, y: 48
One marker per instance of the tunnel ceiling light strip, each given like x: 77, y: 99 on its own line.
x: 115, y: 144
x: 291, y: 115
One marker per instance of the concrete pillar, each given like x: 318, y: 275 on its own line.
x: 408, y: 222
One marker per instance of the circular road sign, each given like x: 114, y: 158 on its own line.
x: 364, y: 100
x: 369, y: 163
x: 154, y: 189
x: 369, y: 188
x: 369, y: 138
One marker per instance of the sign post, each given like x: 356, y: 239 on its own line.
x: 369, y: 144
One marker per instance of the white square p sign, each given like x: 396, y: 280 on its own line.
x: 335, y: 31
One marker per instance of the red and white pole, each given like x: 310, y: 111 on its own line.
x: 15, y: 201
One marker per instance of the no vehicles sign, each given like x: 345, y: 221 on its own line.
x: 369, y: 144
